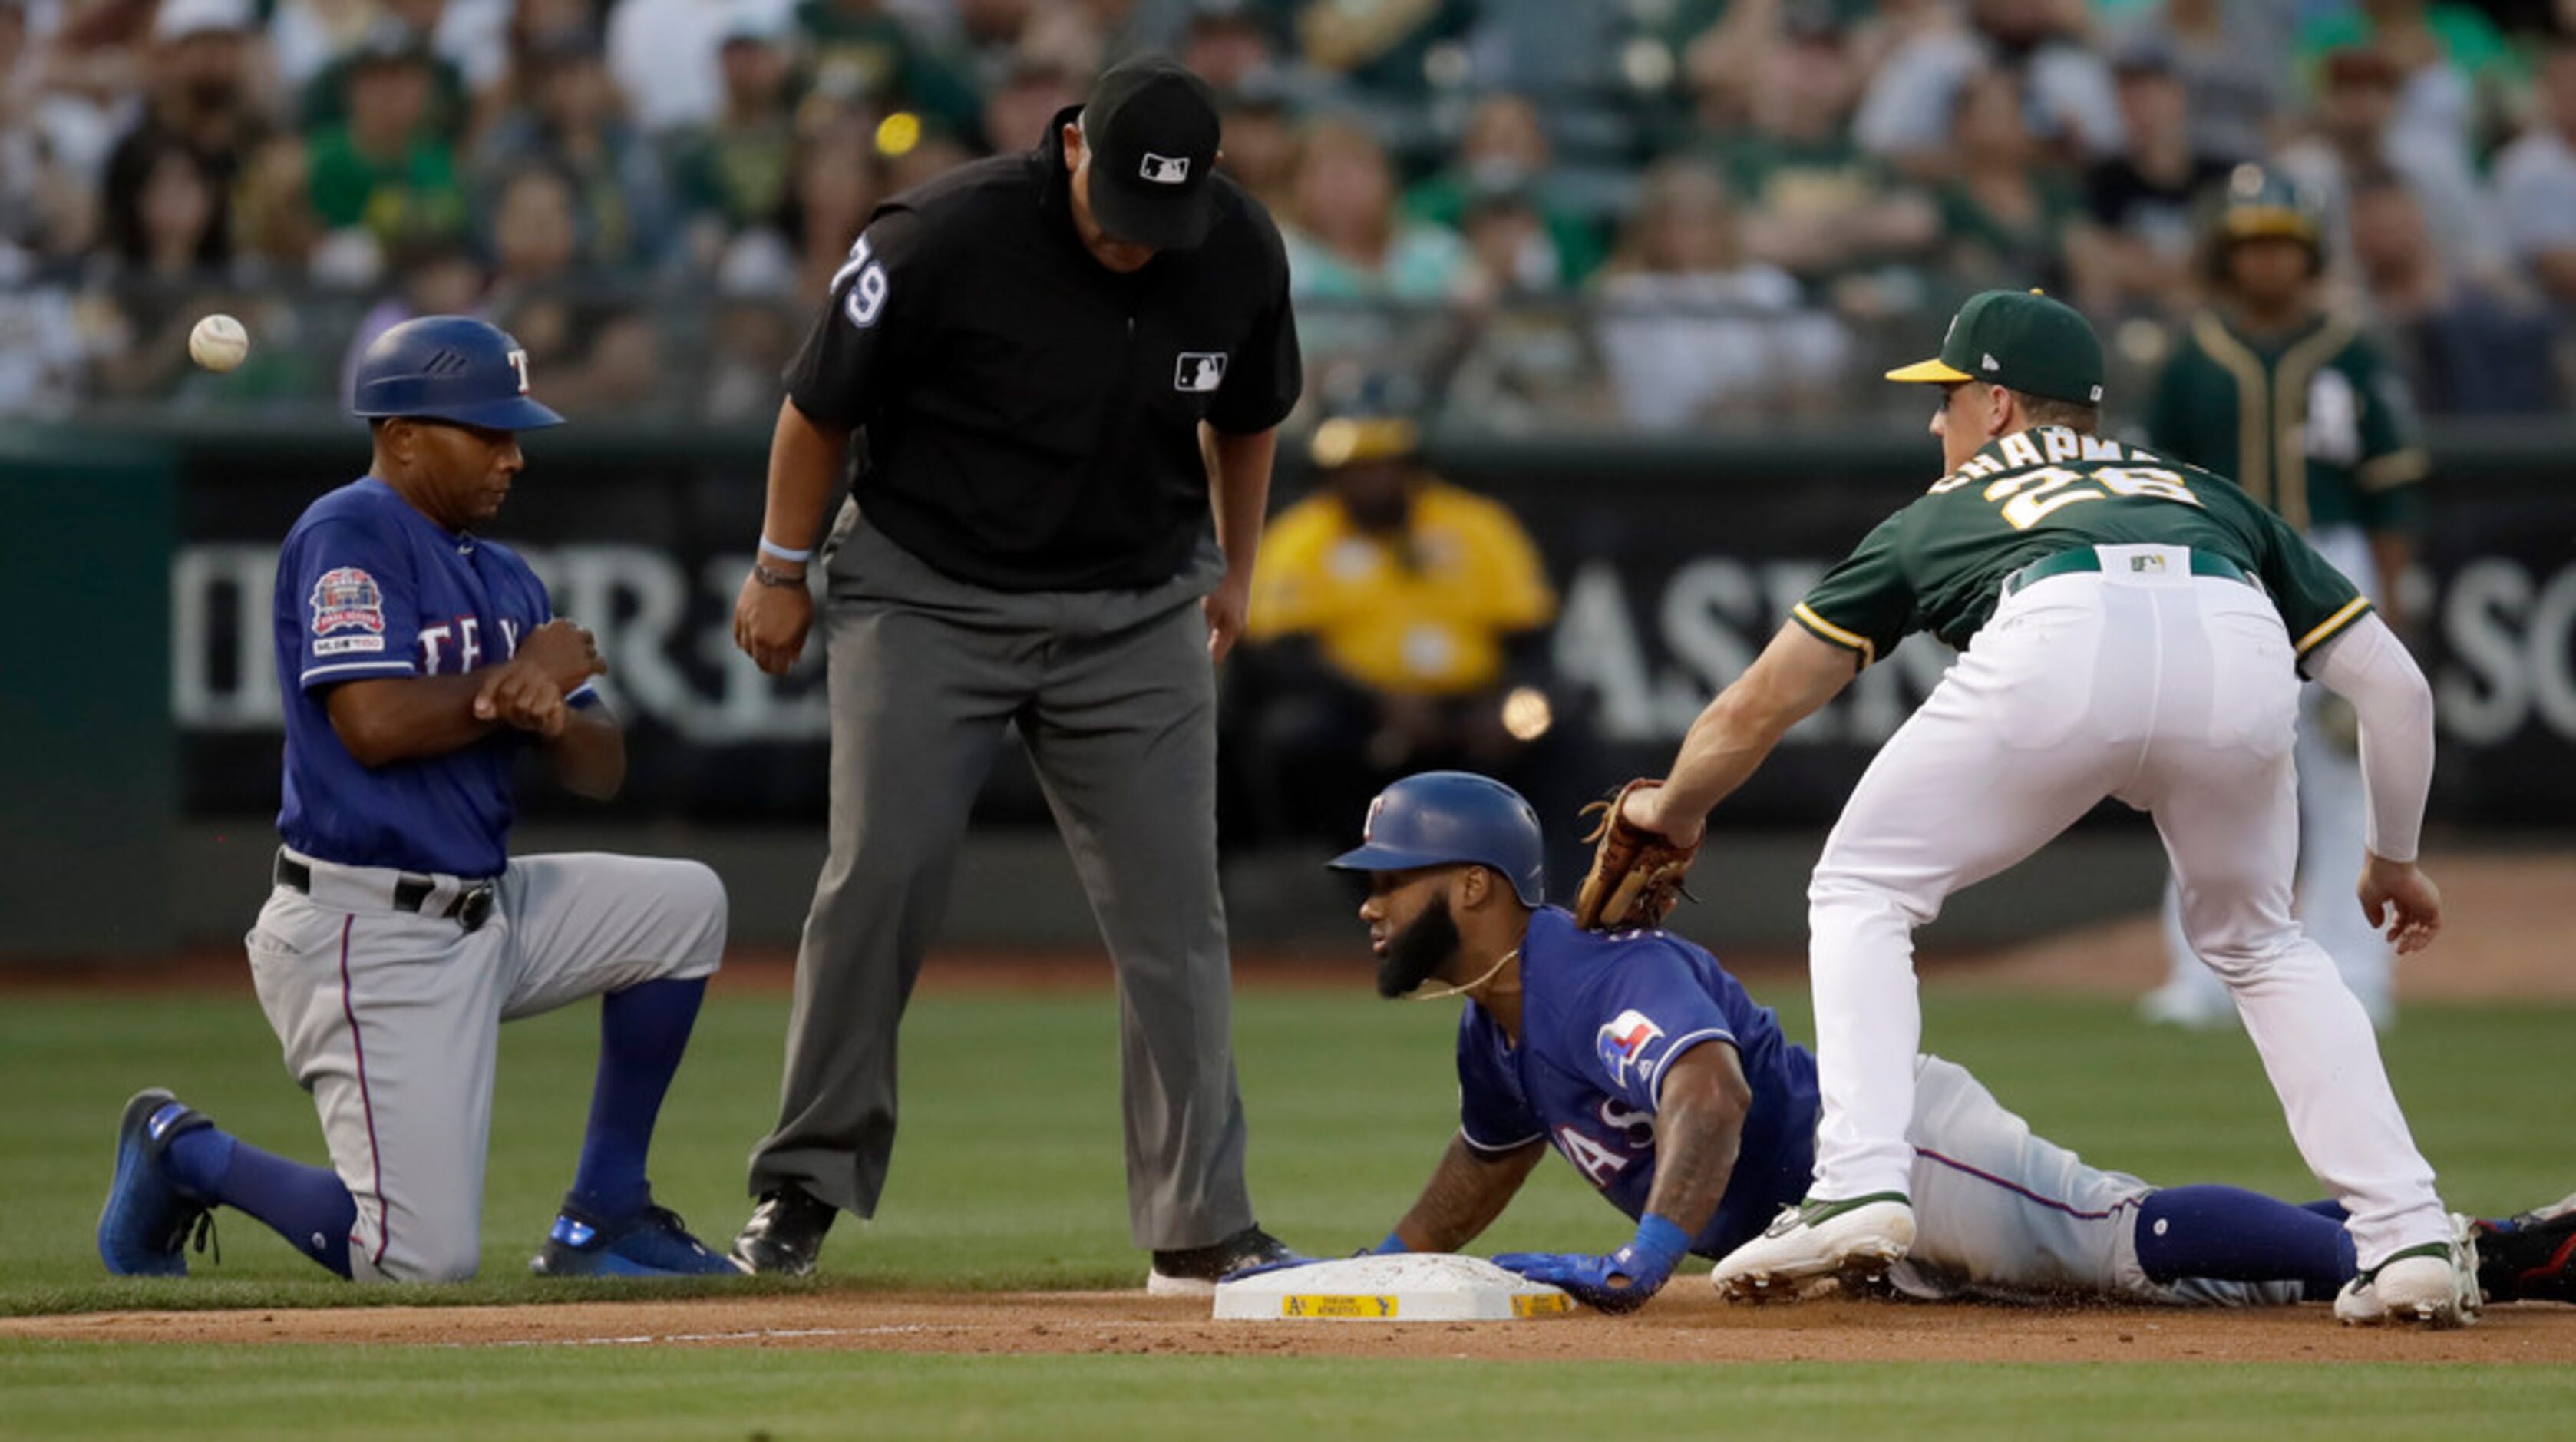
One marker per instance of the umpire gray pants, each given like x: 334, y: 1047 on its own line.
x: 1115, y: 700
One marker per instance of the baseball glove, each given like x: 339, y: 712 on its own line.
x: 1636, y: 875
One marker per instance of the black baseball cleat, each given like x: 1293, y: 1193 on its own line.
x: 1195, y: 1271
x: 785, y: 1234
x: 2530, y: 1257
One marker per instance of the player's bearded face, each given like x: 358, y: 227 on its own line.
x: 1420, y: 948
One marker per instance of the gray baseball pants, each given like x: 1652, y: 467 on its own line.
x: 1115, y: 700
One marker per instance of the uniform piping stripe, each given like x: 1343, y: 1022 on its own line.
x: 1680, y: 1044
x: 336, y: 667
x: 1826, y: 630
x: 1505, y: 1147
x: 366, y: 1101
x: 2351, y: 612
x: 2025, y: 1193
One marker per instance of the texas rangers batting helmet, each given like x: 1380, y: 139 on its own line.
x: 448, y: 368
x: 1437, y: 818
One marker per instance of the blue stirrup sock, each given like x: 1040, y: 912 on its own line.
x: 307, y: 1206
x: 2229, y: 1234
x: 643, y: 1033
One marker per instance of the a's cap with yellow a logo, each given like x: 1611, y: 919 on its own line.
x: 2020, y: 340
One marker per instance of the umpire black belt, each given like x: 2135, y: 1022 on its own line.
x: 2086, y: 558
x: 469, y: 905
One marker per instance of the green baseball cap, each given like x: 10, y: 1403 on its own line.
x: 2020, y: 340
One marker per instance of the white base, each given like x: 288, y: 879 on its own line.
x: 1406, y: 1287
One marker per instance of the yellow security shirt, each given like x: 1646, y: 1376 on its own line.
x: 1432, y: 627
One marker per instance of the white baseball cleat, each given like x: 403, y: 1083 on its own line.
x: 2434, y: 1286
x: 1815, y: 1244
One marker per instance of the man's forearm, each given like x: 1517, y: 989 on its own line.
x: 1239, y: 491
x: 805, y: 460
x: 589, y: 755
x: 406, y: 718
x: 1467, y: 1191
x: 1697, y: 1135
x: 1792, y: 677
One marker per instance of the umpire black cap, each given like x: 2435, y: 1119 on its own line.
x: 1151, y: 128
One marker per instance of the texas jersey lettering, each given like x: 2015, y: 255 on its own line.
x: 1604, y: 1017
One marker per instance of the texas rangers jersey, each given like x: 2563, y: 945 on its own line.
x: 367, y: 586
x: 1937, y: 564
x: 1602, y: 1019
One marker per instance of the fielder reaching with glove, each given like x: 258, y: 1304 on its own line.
x: 2131, y: 628
x: 1649, y: 1068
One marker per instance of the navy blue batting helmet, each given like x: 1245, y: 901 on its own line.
x: 1437, y: 818
x: 448, y: 368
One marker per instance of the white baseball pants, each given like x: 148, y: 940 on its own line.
x: 2176, y: 694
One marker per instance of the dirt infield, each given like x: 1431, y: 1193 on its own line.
x: 1686, y: 1325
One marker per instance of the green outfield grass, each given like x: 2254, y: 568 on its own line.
x: 1008, y: 1176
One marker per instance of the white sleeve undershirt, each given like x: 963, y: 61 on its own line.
x: 2368, y: 666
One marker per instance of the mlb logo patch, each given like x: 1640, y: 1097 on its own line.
x: 2154, y: 564
x: 1199, y: 370
x: 1165, y: 169
x: 1624, y: 1041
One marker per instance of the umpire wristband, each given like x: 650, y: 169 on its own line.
x: 776, y: 551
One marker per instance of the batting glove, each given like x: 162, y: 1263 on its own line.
x: 1619, y: 1282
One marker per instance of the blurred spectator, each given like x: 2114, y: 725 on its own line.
x: 307, y: 37
x: 1690, y: 327
x: 2062, y: 89
x: 2536, y: 182
x: 594, y: 349
x: 2233, y: 59
x: 2353, y: 137
x: 863, y: 56
x: 1509, y: 252
x: 200, y: 99
x: 387, y: 171
x: 2003, y: 216
x: 1345, y: 238
x: 78, y: 74
x: 1504, y: 153
x: 44, y: 349
x: 1398, y: 50
x: 275, y: 227
x: 670, y: 60
x: 1260, y: 145
x: 326, y: 97
x: 2462, y: 351
x: 436, y: 278
x: 1025, y: 97
x: 573, y: 120
x: 2132, y: 249
x: 1229, y: 42
x: 1392, y: 616
x: 45, y: 211
x: 730, y: 173
x: 838, y: 181
x: 2457, y: 74
x: 928, y: 154
x: 166, y: 246
x: 1814, y: 203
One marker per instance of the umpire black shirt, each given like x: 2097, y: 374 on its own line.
x: 1031, y: 415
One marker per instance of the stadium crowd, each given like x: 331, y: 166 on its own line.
x: 1654, y: 213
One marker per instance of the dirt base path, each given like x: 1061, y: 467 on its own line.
x: 1687, y: 1325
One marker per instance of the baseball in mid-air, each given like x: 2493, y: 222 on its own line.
x: 218, y: 343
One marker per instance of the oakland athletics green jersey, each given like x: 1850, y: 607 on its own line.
x: 2313, y: 423
x: 1938, y: 564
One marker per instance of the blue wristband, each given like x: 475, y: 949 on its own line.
x: 1660, y: 1241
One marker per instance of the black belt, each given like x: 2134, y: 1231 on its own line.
x: 2085, y: 558
x: 469, y: 908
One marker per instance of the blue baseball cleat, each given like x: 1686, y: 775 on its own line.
x: 144, y: 1229
x: 651, y: 1242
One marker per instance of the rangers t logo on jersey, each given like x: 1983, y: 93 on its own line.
x: 347, y: 599
x: 1165, y: 169
x: 1624, y: 1041
x: 1199, y: 370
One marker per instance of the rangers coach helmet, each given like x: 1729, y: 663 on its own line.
x: 1438, y: 818
x: 448, y: 368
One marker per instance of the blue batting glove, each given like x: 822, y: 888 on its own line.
x: 1393, y: 1244
x: 1619, y: 1282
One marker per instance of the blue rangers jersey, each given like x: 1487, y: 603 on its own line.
x: 367, y: 586
x: 1602, y: 1019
